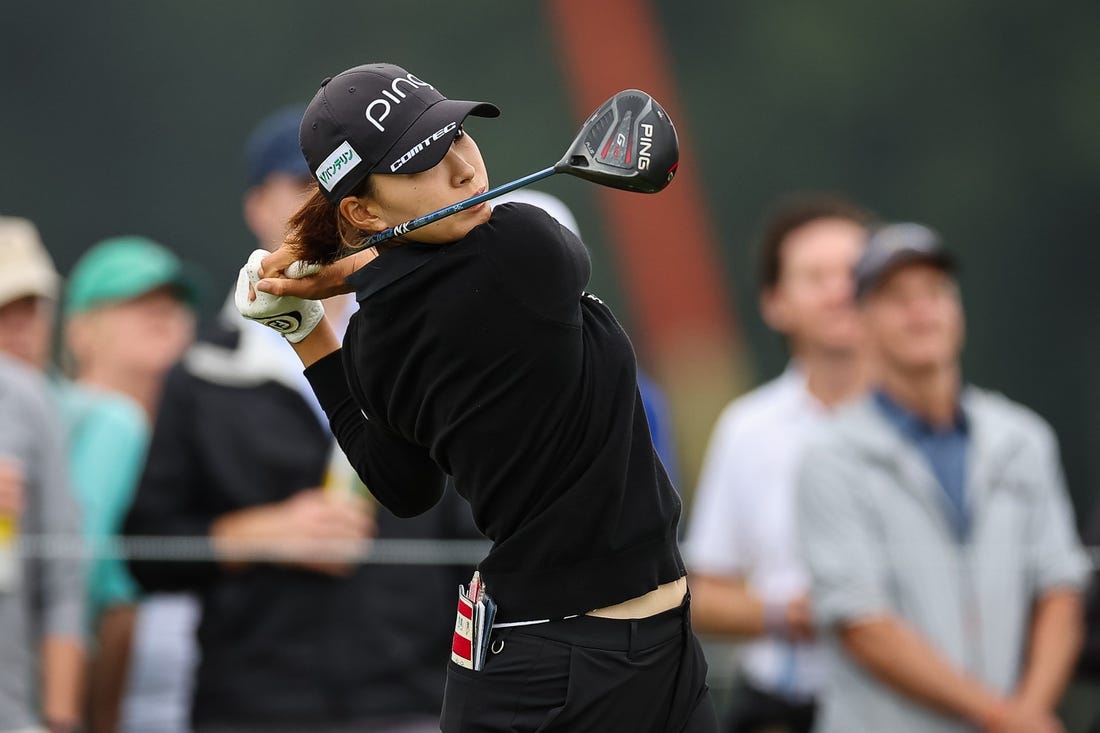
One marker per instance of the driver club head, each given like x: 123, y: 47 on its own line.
x: 628, y: 143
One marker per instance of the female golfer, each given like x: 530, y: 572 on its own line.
x: 477, y: 354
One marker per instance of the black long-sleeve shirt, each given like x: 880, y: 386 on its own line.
x: 486, y: 360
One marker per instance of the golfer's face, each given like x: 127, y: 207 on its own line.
x: 460, y: 175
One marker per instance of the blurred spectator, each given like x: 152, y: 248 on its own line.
x: 309, y: 643
x: 128, y: 318
x: 41, y: 598
x: 936, y: 526
x: 747, y: 581
x: 659, y: 415
x: 653, y: 398
x: 28, y: 294
x: 1090, y: 655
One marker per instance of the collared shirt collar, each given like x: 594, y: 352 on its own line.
x: 390, y: 266
x: 795, y: 376
x: 911, y: 424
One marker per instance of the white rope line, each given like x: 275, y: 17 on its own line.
x: 202, y: 549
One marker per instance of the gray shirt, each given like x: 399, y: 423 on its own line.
x: 45, y: 596
x: 877, y: 540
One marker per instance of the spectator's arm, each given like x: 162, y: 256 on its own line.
x: 311, y: 529
x: 52, y: 510
x: 845, y: 558
x: 839, y: 544
x: 894, y: 653
x: 110, y: 667
x: 1056, y: 556
x: 715, y: 548
x: 62, y: 680
x: 107, y: 451
x: 107, y: 447
x: 725, y: 605
x: 1059, y: 567
x: 1057, y: 631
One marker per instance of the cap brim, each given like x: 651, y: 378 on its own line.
x: 183, y: 281
x: 426, y: 141
x: 903, y: 259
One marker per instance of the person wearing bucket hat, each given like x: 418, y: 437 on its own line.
x: 945, y: 567
x: 42, y: 645
x: 477, y: 354
x: 29, y: 286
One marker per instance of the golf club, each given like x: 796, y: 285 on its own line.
x: 628, y: 143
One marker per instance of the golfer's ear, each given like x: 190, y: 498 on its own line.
x: 362, y: 214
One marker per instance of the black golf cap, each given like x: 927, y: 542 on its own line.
x: 378, y: 118
x: 893, y: 246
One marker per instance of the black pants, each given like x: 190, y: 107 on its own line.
x: 586, y: 674
x: 754, y: 711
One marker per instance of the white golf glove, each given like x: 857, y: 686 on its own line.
x: 291, y: 316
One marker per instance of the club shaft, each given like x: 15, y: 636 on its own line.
x: 423, y: 221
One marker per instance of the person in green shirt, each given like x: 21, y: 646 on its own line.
x: 128, y: 317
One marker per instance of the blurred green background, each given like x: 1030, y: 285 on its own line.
x: 979, y: 118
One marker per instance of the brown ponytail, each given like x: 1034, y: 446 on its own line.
x: 319, y: 233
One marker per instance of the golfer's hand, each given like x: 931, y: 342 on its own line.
x: 281, y: 274
x: 293, y: 317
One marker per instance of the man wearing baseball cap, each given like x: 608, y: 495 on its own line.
x: 946, y: 571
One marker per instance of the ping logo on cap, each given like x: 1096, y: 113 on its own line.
x: 337, y: 165
x: 409, y: 79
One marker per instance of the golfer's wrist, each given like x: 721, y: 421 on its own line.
x: 320, y: 342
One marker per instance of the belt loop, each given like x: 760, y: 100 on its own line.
x: 633, y: 639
